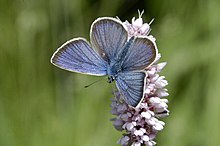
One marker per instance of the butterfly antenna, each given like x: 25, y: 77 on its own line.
x: 93, y: 83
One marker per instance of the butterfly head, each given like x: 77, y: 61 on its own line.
x: 111, y: 78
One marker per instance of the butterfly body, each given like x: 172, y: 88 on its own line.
x: 115, y: 66
x: 113, y: 54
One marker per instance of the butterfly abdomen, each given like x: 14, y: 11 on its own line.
x: 125, y: 49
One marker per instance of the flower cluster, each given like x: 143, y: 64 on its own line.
x: 137, y: 27
x: 141, y: 124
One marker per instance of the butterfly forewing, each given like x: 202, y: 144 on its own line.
x: 141, y: 53
x: 108, y: 37
x: 77, y: 56
x: 131, y: 85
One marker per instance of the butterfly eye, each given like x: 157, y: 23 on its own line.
x: 111, y: 79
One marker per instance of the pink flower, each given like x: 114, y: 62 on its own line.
x: 137, y: 27
x: 141, y: 124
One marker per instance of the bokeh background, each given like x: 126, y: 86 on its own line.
x: 41, y: 105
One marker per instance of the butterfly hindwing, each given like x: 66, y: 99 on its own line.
x: 76, y: 55
x: 131, y: 85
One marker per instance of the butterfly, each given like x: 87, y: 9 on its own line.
x: 113, y: 53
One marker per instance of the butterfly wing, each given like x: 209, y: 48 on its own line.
x: 108, y: 37
x: 76, y: 55
x: 141, y: 53
x: 131, y: 85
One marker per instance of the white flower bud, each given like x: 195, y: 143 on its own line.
x: 145, y: 138
x: 158, y: 127
x: 146, y: 115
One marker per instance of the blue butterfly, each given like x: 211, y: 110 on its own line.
x: 113, y: 53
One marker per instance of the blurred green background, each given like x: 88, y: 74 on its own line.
x: 41, y: 105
